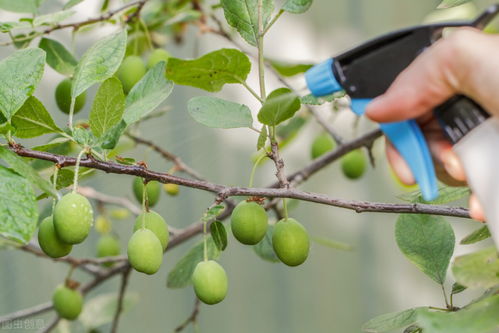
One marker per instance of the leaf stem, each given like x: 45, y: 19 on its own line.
x: 71, y: 113
x: 273, y: 21
x: 261, y: 60
x: 77, y: 169
x: 54, y: 180
x: 253, y: 170
x: 245, y: 85
x: 445, y: 297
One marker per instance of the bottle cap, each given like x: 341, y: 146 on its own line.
x: 321, y: 80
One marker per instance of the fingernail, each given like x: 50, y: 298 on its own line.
x: 453, y: 165
x: 476, y: 212
x: 373, y: 107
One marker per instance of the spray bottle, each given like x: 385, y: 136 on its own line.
x: 368, y: 70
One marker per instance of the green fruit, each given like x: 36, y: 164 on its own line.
x: 50, y: 242
x: 157, y: 56
x: 102, y: 224
x: 153, y: 191
x: 73, y: 218
x: 145, y: 252
x: 249, y: 222
x: 132, y: 69
x: 108, y: 246
x: 171, y: 189
x: 154, y: 222
x: 63, y: 97
x: 210, y: 282
x: 353, y: 164
x: 290, y: 242
x: 67, y: 302
x: 322, y: 144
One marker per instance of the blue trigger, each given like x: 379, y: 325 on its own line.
x: 409, y: 141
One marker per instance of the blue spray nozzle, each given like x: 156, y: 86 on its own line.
x: 321, y: 80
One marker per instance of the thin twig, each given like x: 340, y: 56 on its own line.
x: 121, y: 296
x: 51, y: 326
x: 109, y: 199
x: 25, y: 313
x: 191, y: 319
x: 179, y: 164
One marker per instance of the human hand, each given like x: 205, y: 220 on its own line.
x: 463, y: 63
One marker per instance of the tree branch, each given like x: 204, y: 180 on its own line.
x: 225, y: 192
x: 191, y: 319
x: 121, y: 295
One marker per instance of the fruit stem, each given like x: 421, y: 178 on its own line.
x: 145, y: 200
x: 146, y: 32
x: 273, y: 21
x: 205, y: 241
x: 253, y: 170
x: 285, y: 208
x: 54, y: 179
x: 77, y: 169
x: 71, y: 112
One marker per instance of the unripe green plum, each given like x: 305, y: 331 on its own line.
x: 353, y: 164
x: 322, y: 144
x: 102, y: 224
x: 210, y: 282
x: 63, y: 97
x: 132, y: 69
x: 154, y: 222
x: 107, y: 246
x: 50, y: 242
x: 158, y: 55
x: 145, y: 252
x: 249, y: 222
x: 73, y: 218
x: 153, y: 191
x: 290, y: 241
x: 120, y: 213
x: 171, y: 189
x: 68, y: 303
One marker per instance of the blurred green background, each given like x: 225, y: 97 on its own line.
x: 333, y: 291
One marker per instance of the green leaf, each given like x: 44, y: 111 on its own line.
x: 18, y: 207
x: 219, y: 235
x: 72, y: 3
x: 65, y: 178
x: 281, y: 104
x: 99, y: 62
x: 101, y: 309
x: 25, y: 170
x: 212, y: 71
x: 84, y: 136
x: 20, y: 73
x: 427, y: 241
x: 480, y: 317
x: 452, y: 3
x: 288, y: 131
x: 243, y: 16
x: 477, y: 270
x: 445, y: 195
x: 332, y: 244
x: 218, y: 113
x: 312, y: 100
x: 390, y: 321
x: 289, y: 69
x: 58, y: 57
x: 212, y: 213
x: 54, y: 143
x: 297, y: 6
x: 33, y: 120
x: 180, y: 275
x: 21, y: 6
x: 147, y: 94
x: 457, y: 288
x: 9, y: 26
x: 476, y: 236
x: 53, y: 18
x: 108, y: 107
x: 262, y: 138
x: 110, y: 139
x: 264, y: 248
